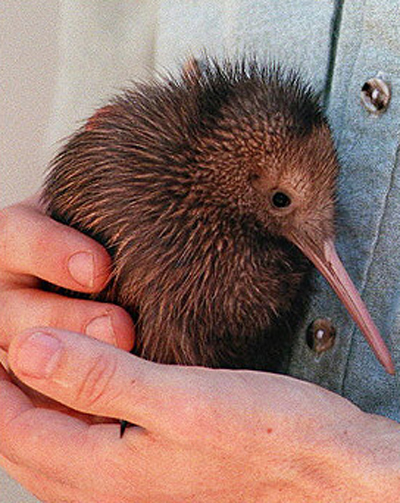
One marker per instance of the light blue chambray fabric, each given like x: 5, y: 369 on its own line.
x: 296, y: 32
x: 369, y: 223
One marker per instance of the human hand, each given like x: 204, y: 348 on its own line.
x: 33, y: 247
x: 203, y: 435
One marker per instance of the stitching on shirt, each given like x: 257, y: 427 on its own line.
x: 341, y: 114
x: 335, y: 34
x: 342, y: 120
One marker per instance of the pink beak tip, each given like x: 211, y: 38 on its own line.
x: 389, y: 366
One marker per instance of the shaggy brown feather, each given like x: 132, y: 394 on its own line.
x: 175, y: 179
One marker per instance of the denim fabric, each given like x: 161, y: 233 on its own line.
x: 368, y: 222
x: 296, y: 32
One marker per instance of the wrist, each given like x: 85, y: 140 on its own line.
x: 378, y: 443
x: 358, y: 457
x: 327, y: 454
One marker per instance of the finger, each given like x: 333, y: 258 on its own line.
x: 39, y: 400
x: 34, y: 244
x: 54, y: 443
x: 39, y: 485
x: 18, y: 416
x: 106, y: 322
x: 95, y: 378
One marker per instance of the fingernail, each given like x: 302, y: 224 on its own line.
x: 38, y: 355
x: 101, y: 328
x: 81, y: 268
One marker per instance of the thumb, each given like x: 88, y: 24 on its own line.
x: 92, y: 377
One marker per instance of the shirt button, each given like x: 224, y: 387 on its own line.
x: 375, y: 95
x: 320, y: 335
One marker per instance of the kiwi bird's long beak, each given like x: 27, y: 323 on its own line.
x: 328, y: 263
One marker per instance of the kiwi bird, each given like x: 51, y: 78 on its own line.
x: 212, y: 191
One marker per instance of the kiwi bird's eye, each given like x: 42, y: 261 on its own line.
x: 281, y: 200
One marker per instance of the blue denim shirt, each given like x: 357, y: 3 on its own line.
x: 367, y: 43
x: 338, y: 48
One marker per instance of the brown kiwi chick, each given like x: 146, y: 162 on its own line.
x: 204, y: 189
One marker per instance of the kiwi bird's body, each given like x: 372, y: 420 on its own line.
x: 195, y: 186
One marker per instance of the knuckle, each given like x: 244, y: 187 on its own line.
x: 98, y: 387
